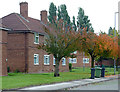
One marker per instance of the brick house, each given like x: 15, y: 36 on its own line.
x: 3, y: 50
x: 26, y: 33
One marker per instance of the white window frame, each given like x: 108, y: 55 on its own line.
x: 63, y: 61
x: 85, y: 60
x: 48, y: 56
x: 36, y: 35
x: 75, y: 52
x: 71, y: 60
x: 53, y: 60
x: 37, y: 58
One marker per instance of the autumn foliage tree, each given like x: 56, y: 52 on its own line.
x: 89, y: 45
x: 101, y: 45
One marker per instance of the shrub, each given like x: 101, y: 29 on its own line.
x: 16, y: 71
x: 70, y: 67
x: 8, y: 69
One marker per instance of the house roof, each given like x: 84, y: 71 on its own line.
x: 3, y: 27
x: 16, y: 22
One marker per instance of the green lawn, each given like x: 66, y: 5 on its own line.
x: 18, y: 80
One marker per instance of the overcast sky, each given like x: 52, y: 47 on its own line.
x: 100, y: 12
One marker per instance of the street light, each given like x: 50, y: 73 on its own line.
x: 115, y: 36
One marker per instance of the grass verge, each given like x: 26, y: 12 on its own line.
x: 19, y: 80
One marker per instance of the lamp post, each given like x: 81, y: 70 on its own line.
x: 115, y: 36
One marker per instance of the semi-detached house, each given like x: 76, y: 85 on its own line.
x: 24, y: 36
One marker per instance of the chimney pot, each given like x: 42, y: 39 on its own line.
x: 24, y: 9
x: 44, y: 16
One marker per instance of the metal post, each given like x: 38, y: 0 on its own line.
x: 83, y: 62
x: 115, y: 36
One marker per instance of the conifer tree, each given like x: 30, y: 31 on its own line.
x: 52, y: 13
x: 73, y: 24
x: 83, y: 21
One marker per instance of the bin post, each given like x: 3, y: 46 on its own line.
x: 103, y: 72
x: 92, y: 73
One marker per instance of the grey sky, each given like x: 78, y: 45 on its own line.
x: 100, y: 12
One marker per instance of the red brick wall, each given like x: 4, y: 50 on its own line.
x: 16, y: 52
x: 3, y: 53
x: 44, y: 16
x: 33, y: 50
x: 80, y: 61
x: 109, y: 62
x: 24, y: 9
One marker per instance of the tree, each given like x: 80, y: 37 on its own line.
x: 60, y: 43
x: 52, y: 13
x: 110, y: 31
x: 114, y: 53
x: 63, y: 14
x: 59, y: 15
x: 89, y: 45
x: 83, y: 21
x: 105, y: 46
x: 80, y: 19
x: 73, y: 24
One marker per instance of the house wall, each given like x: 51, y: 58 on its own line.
x: 108, y: 62
x: 32, y: 49
x: 21, y: 50
x: 80, y: 60
x: 3, y: 53
x: 16, y: 52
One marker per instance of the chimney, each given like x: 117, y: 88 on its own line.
x: 44, y: 16
x: 24, y: 9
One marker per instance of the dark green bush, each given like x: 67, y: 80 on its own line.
x: 8, y: 69
x: 16, y: 71
x: 70, y: 67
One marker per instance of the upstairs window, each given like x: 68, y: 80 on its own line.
x: 36, y: 38
x: 36, y: 59
x: 46, y: 59
x: 75, y: 52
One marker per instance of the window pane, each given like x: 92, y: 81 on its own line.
x: 36, y: 37
x: 34, y: 60
x: 63, y: 61
x: 37, y: 40
x: 37, y: 60
x: 53, y: 61
x: 46, y: 59
x: 37, y: 34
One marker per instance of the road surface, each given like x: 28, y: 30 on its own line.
x: 107, y: 85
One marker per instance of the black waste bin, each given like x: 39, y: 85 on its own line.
x: 103, y: 72
x: 92, y: 73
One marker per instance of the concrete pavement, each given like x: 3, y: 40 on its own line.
x: 71, y: 84
x: 106, y: 85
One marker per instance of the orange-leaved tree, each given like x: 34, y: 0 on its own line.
x: 105, y: 45
x: 89, y: 45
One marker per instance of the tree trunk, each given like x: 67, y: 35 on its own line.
x: 56, y: 73
x: 92, y: 63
